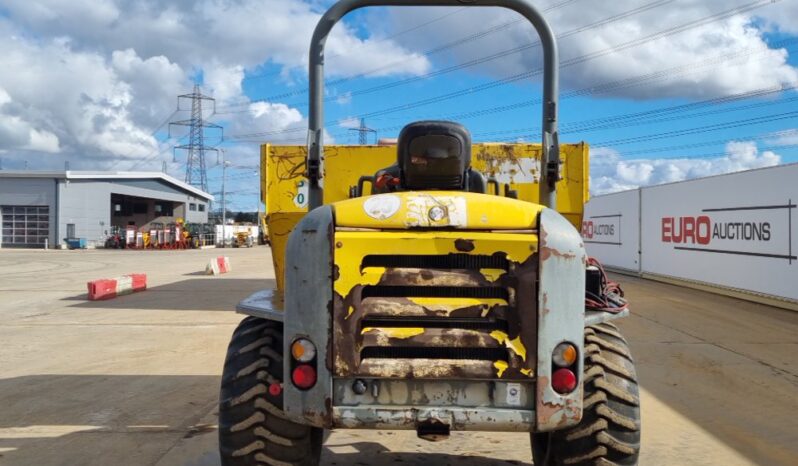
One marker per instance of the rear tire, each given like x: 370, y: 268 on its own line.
x: 252, y: 427
x: 609, y: 433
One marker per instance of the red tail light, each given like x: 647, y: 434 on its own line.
x: 563, y: 381
x: 304, y: 376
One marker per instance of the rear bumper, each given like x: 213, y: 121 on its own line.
x: 410, y: 418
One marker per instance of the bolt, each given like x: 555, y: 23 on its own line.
x: 339, y: 245
x: 359, y: 386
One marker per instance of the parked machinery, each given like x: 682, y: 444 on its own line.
x: 431, y: 304
x: 155, y: 235
x: 116, y: 240
x: 242, y: 239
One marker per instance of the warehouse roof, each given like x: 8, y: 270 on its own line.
x: 105, y: 175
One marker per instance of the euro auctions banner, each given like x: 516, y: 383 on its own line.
x: 611, y: 229
x: 738, y: 230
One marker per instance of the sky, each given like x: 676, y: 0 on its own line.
x: 662, y: 90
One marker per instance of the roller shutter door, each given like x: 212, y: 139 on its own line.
x: 25, y: 226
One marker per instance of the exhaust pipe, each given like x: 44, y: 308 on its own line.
x: 433, y: 430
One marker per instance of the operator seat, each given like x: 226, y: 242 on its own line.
x: 431, y: 155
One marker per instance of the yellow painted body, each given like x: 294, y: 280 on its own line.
x: 467, y: 211
x: 284, y: 190
x: 351, y: 246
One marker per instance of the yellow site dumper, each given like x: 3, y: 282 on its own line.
x: 431, y: 285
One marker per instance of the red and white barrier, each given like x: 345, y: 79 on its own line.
x: 218, y: 266
x: 109, y: 288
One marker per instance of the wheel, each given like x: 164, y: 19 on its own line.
x: 609, y: 433
x: 252, y: 427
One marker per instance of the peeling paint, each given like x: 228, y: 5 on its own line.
x: 395, y: 332
x: 464, y: 245
x: 547, y: 252
x: 455, y: 210
x: 518, y: 347
x: 500, y: 366
x: 514, y: 345
x: 513, y: 315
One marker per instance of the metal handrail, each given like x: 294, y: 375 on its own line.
x: 550, y: 172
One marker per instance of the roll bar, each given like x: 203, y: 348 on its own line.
x: 550, y: 164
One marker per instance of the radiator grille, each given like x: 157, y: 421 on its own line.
x: 448, y: 261
x: 434, y: 292
x: 429, y: 316
x: 420, y: 352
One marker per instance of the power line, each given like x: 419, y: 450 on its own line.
x: 700, y: 129
x: 497, y: 55
x: 686, y: 69
x: 152, y: 134
x: 659, y: 115
x: 598, y: 89
x: 361, y: 45
x: 573, y: 61
x: 397, y: 64
x: 570, y: 62
x: 693, y: 145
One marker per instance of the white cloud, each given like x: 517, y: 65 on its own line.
x: 224, y: 82
x: 80, y: 103
x: 230, y: 33
x: 16, y: 133
x: 344, y: 98
x: 349, y: 123
x: 91, y: 80
x: 782, y: 16
x: 766, y: 67
x: 784, y: 138
x: 610, y: 172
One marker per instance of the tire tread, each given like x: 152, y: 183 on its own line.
x: 252, y: 427
x: 609, y: 433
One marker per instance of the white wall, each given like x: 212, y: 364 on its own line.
x: 734, y: 230
x: 611, y: 229
x: 737, y: 231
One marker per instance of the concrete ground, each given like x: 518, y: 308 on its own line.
x: 134, y: 381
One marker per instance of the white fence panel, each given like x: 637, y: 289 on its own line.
x: 611, y: 229
x: 737, y: 230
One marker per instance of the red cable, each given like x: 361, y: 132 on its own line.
x: 607, y: 287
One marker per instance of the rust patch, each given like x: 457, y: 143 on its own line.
x: 547, y: 252
x: 464, y: 245
x: 518, y: 315
x: 523, y: 322
x: 323, y: 417
x: 545, y: 410
x: 554, y: 416
x: 434, y: 277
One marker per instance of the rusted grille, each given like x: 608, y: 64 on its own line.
x: 447, y: 261
x: 416, y: 352
x: 433, y: 292
x: 436, y: 322
x: 464, y: 307
x: 434, y: 316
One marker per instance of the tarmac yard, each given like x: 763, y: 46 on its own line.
x: 134, y: 381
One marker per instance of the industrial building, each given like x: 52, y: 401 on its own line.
x: 55, y: 205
